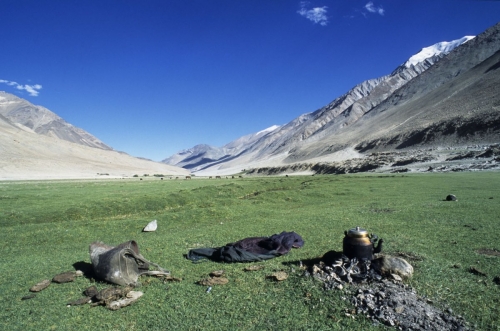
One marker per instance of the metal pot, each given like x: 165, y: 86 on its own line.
x: 361, y: 245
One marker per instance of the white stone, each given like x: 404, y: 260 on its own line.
x: 152, y: 226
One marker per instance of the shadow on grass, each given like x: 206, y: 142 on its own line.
x: 86, y: 268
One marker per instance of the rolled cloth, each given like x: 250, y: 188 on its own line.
x: 250, y: 249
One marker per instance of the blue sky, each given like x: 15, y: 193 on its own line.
x: 154, y: 77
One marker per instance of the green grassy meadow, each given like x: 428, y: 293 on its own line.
x: 47, y: 226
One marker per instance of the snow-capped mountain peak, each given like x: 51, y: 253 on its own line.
x: 443, y: 47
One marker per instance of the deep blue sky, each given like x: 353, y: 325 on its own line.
x: 153, y: 77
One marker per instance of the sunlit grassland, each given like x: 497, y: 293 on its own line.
x: 46, y: 227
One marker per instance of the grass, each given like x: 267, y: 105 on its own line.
x: 47, y: 227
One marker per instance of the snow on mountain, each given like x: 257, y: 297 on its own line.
x: 269, y: 129
x: 441, y: 48
x: 238, y: 144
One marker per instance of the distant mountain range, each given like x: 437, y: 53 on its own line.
x: 35, y: 143
x: 429, y: 100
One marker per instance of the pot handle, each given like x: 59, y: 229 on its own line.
x: 373, y: 238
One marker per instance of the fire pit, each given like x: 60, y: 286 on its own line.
x: 372, y: 284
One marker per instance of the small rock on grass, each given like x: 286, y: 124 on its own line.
x: 217, y: 273
x: 214, y: 281
x: 151, y: 227
x: 476, y: 271
x: 40, y: 286
x: 112, y: 293
x: 29, y: 296
x: 169, y: 278
x: 254, y: 268
x: 80, y: 301
x: 91, y: 291
x: 64, y: 277
x: 387, y: 265
x: 130, y: 298
x: 279, y: 275
x: 451, y: 197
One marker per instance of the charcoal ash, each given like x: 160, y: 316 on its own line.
x: 383, y: 297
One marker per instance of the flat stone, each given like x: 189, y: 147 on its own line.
x: 169, y: 278
x: 29, y: 296
x: 279, y: 275
x: 112, y: 293
x: 64, y: 277
x: 396, y: 277
x: 214, y: 281
x: 254, y: 268
x: 80, y: 301
x: 131, y: 297
x: 40, y: 286
x: 217, y: 273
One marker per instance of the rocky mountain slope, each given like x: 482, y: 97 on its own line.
x: 25, y: 154
x: 443, y: 96
x: 43, y: 121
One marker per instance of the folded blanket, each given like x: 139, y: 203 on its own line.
x: 250, y: 249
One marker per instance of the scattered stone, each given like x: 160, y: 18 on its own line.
x: 397, y: 277
x: 40, y: 286
x: 451, y: 197
x: 29, y: 296
x: 213, y: 281
x: 170, y: 279
x: 254, y: 268
x: 81, y: 301
x: 399, y: 309
x: 382, y: 300
x: 217, y: 273
x: 109, y: 294
x: 279, y: 275
x: 130, y: 298
x: 476, y: 271
x: 488, y: 252
x: 91, y: 291
x: 78, y: 273
x: 151, y: 227
x: 65, y: 277
x: 490, y: 152
x: 387, y: 265
x: 468, y: 155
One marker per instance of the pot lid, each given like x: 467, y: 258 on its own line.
x: 357, y: 232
